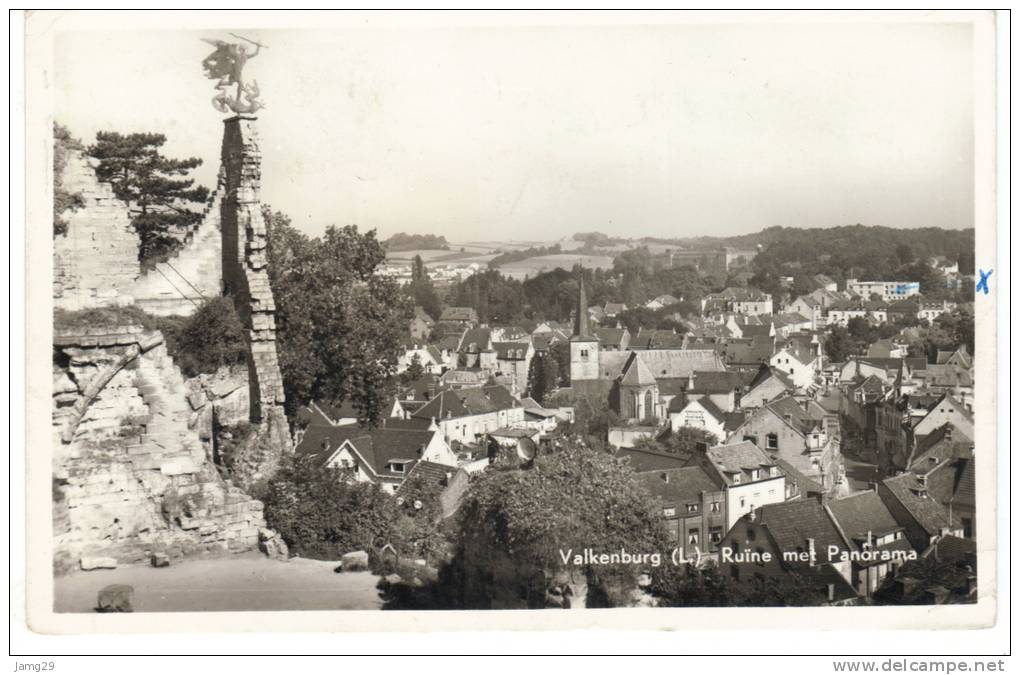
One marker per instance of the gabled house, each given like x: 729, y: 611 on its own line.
x: 947, y: 410
x: 799, y: 537
x: 801, y: 361
x: 800, y: 432
x: 751, y: 478
x: 428, y: 356
x: 701, y: 414
x: 466, y: 415
x: 768, y: 383
x: 924, y: 519
x: 421, y: 324
x: 464, y: 316
x: 513, y: 360
x: 383, y: 456
x: 612, y: 339
x: 693, y: 506
x: 723, y: 388
x: 476, y: 350
x: 875, y: 535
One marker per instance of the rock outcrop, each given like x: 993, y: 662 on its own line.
x: 132, y: 477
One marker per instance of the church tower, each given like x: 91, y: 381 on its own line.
x: 584, y: 347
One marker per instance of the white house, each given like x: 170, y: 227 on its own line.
x: 751, y: 477
x: 702, y: 414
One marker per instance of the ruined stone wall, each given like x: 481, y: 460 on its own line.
x: 193, y: 274
x: 132, y: 469
x: 96, y: 261
x: 246, y: 281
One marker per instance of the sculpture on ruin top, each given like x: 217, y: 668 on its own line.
x: 226, y: 66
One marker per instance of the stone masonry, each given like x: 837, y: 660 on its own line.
x: 96, y: 261
x: 132, y: 477
x: 246, y: 280
x: 193, y: 274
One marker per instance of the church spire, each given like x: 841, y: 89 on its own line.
x: 581, y: 329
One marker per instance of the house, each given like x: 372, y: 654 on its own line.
x: 785, y: 323
x: 768, y: 384
x: 661, y: 301
x: 947, y: 410
x: 413, y: 395
x: 612, y: 339
x: 513, y: 360
x: 421, y: 324
x: 326, y: 413
x: 799, y: 537
x: 693, y: 506
x: 384, y: 456
x: 612, y: 309
x: 428, y: 357
x: 748, y: 354
x: 879, y: 541
x: 750, y: 477
x: 700, y: 413
x: 747, y: 301
x: 476, y: 350
x: 466, y: 415
x: 888, y: 290
x: 463, y: 316
x: 946, y: 379
x: 799, y: 360
x: 960, y: 358
x: 641, y: 460
x: 887, y: 349
x: 823, y: 282
x: 800, y: 432
x: 723, y: 388
x: 656, y: 338
x: 929, y: 311
x: 924, y: 519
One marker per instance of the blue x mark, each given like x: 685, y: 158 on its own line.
x: 982, y: 284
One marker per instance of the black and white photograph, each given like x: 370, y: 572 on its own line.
x: 435, y: 312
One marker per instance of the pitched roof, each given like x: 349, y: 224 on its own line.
x: 938, y: 446
x: 862, y: 513
x: 739, y: 458
x: 681, y: 485
x: 475, y: 340
x: 468, y: 401
x: 913, y: 495
x: 674, y: 363
x: 657, y: 338
x: 744, y: 351
x: 791, y: 524
x: 459, y: 314
x: 802, y: 420
x: 766, y: 372
x: 642, y: 460
x: 716, y: 382
x: 636, y: 373
x: 609, y: 336
x: 432, y: 472
x: 705, y: 403
x: 377, y: 447
x: 805, y: 485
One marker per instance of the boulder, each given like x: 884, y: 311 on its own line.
x: 160, y: 560
x: 354, y: 561
x: 98, y: 563
x: 273, y: 545
x: 115, y: 598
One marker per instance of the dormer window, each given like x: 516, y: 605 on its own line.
x: 396, y: 467
x: 692, y: 508
x: 754, y: 474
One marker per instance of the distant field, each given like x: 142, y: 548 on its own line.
x: 532, y: 266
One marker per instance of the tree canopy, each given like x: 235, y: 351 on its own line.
x: 156, y: 188
x: 339, y: 325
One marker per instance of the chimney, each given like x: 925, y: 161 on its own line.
x: 832, y: 592
x: 869, y: 540
x: 811, y: 548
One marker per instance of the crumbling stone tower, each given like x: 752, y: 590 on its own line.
x: 246, y: 281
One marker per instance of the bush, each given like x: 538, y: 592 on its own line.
x: 322, y: 514
x: 210, y: 338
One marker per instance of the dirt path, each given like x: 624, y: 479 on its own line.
x: 248, y: 582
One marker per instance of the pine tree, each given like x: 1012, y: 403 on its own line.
x: 154, y: 186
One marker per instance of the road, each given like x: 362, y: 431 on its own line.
x: 248, y: 582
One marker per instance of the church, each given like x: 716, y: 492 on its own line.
x: 639, y: 383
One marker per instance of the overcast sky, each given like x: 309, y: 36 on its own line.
x: 537, y: 133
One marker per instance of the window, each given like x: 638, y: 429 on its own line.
x: 693, y: 535
x: 715, y: 534
x: 772, y: 442
x: 692, y: 508
x: 773, y: 471
x: 754, y: 474
x: 584, y: 353
x: 669, y: 512
x: 714, y: 507
x: 397, y: 467
x: 742, y: 502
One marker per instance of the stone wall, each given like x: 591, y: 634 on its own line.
x: 193, y: 274
x: 96, y: 261
x: 246, y: 281
x: 132, y: 472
